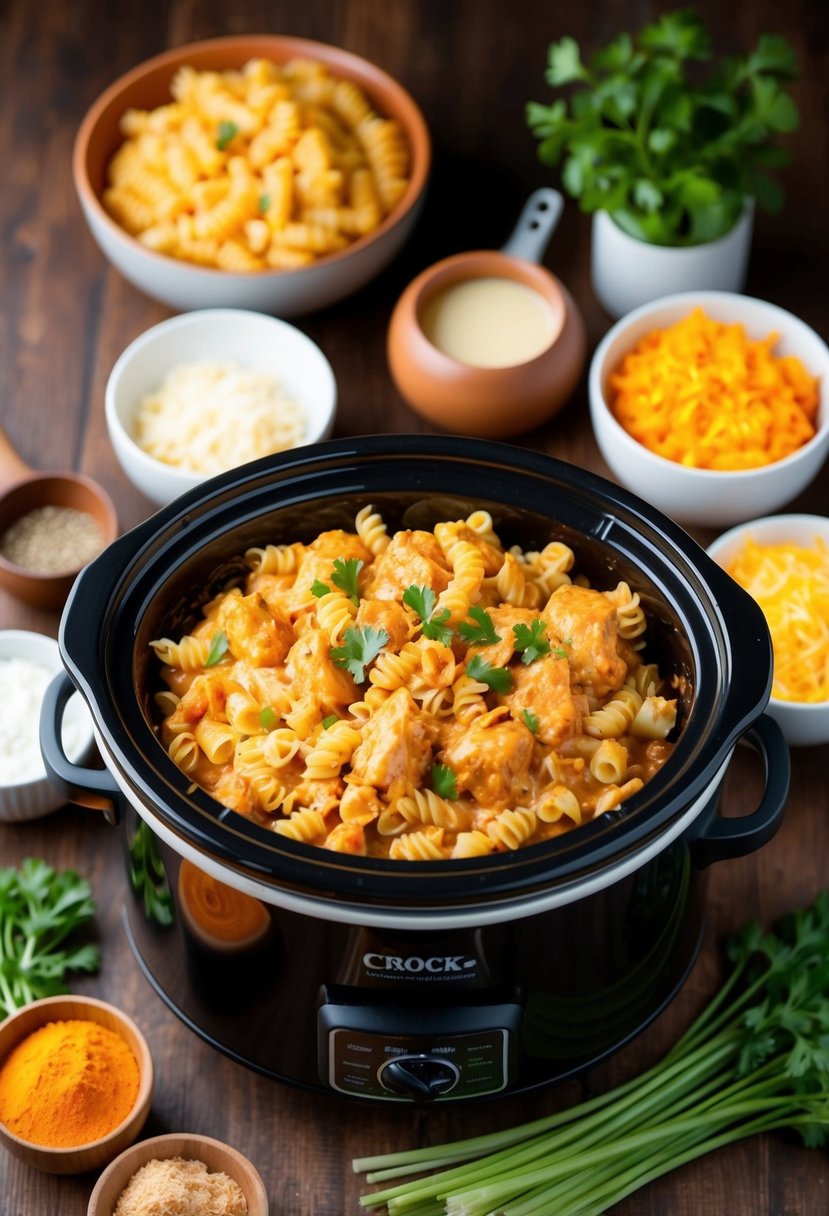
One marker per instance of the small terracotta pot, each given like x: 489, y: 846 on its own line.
x: 490, y: 402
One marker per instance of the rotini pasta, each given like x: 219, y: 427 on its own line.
x: 414, y: 695
x: 270, y: 166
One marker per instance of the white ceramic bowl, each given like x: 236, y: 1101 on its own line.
x: 704, y: 496
x: 250, y: 339
x: 30, y: 798
x: 287, y: 293
x: 804, y: 724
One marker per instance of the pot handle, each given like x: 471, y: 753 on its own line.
x: 723, y: 839
x: 535, y: 225
x: 91, y: 787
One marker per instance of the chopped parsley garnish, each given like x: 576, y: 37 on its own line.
x: 443, y: 781
x: 218, y: 648
x: 530, y: 720
x: 498, y: 678
x: 344, y: 576
x: 362, y: 644
x: 267, y: 718
x: 560, y: 652
x: 531, y: 641
x: 422, y: 600
x: 328, y: 722
x: 264, y: 202
x: 482, y: 633
x: 319, y: 589
x: 226, y: 132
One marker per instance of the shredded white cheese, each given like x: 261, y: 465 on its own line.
x: 23, y: 684
x: 209, y: 417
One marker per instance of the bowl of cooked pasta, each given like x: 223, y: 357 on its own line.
x: 439, y: 721
x: 713, y: 406
x: 210, y: 390
x: 255, y: 171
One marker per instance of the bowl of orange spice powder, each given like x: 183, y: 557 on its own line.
x: 712, y: 406
x: 783, y: 562
x: 76, y: 1080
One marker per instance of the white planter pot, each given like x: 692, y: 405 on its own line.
x: 627, y: 272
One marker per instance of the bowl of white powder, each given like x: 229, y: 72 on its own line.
x: 28, y: 663
x: 211, y: 390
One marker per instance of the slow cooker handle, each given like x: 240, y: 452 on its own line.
x: 92, y: 787
x: 723, y: 839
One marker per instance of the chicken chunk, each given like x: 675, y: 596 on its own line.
x: 412, y: 558
x: 503, y: 619
x: 253, y: 631
x: 543, y: 689
x: 387, y: 615
x: 585, y: 622
x: 490, y: 759
x: 396, y: 749
x: 313, y: 676
x: 318, y: 560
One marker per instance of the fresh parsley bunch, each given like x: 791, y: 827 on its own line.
x: 670, y: 150
x: 40, y: 909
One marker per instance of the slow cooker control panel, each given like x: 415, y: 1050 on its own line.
x: 465, y: 1052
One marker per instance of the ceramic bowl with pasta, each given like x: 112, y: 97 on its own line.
x: 211, y: 390
x: 711, y: 496
x: 254, y: 171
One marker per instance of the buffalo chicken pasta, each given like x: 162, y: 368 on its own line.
x: 418, y: 696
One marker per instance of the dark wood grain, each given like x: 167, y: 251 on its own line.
x: 64, y: 318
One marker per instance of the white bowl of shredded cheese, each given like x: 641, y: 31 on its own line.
x: 211, y: 390
x: 28, y: 663
x: 783, y: 561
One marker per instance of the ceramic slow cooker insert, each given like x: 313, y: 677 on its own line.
x: 398, y: 981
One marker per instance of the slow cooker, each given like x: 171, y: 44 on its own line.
x: 414, y: 981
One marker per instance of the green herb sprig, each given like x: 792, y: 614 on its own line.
x: 422, y: 600
x: 40, y: 909
x: 482, y: 631
x: 444, y: 781
x: 225, y: 134
x: 531, y: 640
x: 499, y: 679
x: 362, y: 644
x: 756, y: 1059
x: 218, y: 649
x: 672, y: 158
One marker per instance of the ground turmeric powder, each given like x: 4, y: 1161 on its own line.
x: 68, y: 1084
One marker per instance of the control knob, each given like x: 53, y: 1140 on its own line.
x: 422, y: 1078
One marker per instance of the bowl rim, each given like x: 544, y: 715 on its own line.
x: 599, y: 403
x: 414, y: 123
x: 800, y: 519
x: 192, y: 320
x: 26, y: 636
x: 143, y: 1056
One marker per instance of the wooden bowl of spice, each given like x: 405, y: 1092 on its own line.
x: 188, y: 1174
x: 76, y: 1081
x: 51, y: 525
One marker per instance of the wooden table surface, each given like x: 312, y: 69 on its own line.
x: 65, y: 316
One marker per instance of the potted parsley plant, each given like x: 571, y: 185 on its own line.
x: 669, y: 151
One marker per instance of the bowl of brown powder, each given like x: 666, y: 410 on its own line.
x: 189, y: 1174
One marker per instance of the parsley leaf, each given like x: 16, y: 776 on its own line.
x: 39, y: 908
x: 218, y: 648
x: 328, y: 722
x: 226, y: 132
x: 344, y: 576
x: 482, y: 633
x: 264, y: 202
x: 531, y: 641
x: 498, y: 678
x: 422, y: 600
x: 560, y: 652
x: 443, y: 781
x: 267, y: 717
x: 362, y: 644
x: 319, y: 589
x: 530, y: 720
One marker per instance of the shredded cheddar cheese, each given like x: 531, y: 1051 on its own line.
x: 703, y: 394
x: 791, y: 585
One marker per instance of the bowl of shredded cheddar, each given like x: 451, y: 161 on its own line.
x: 713, y: 406
x: 783, y: 563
